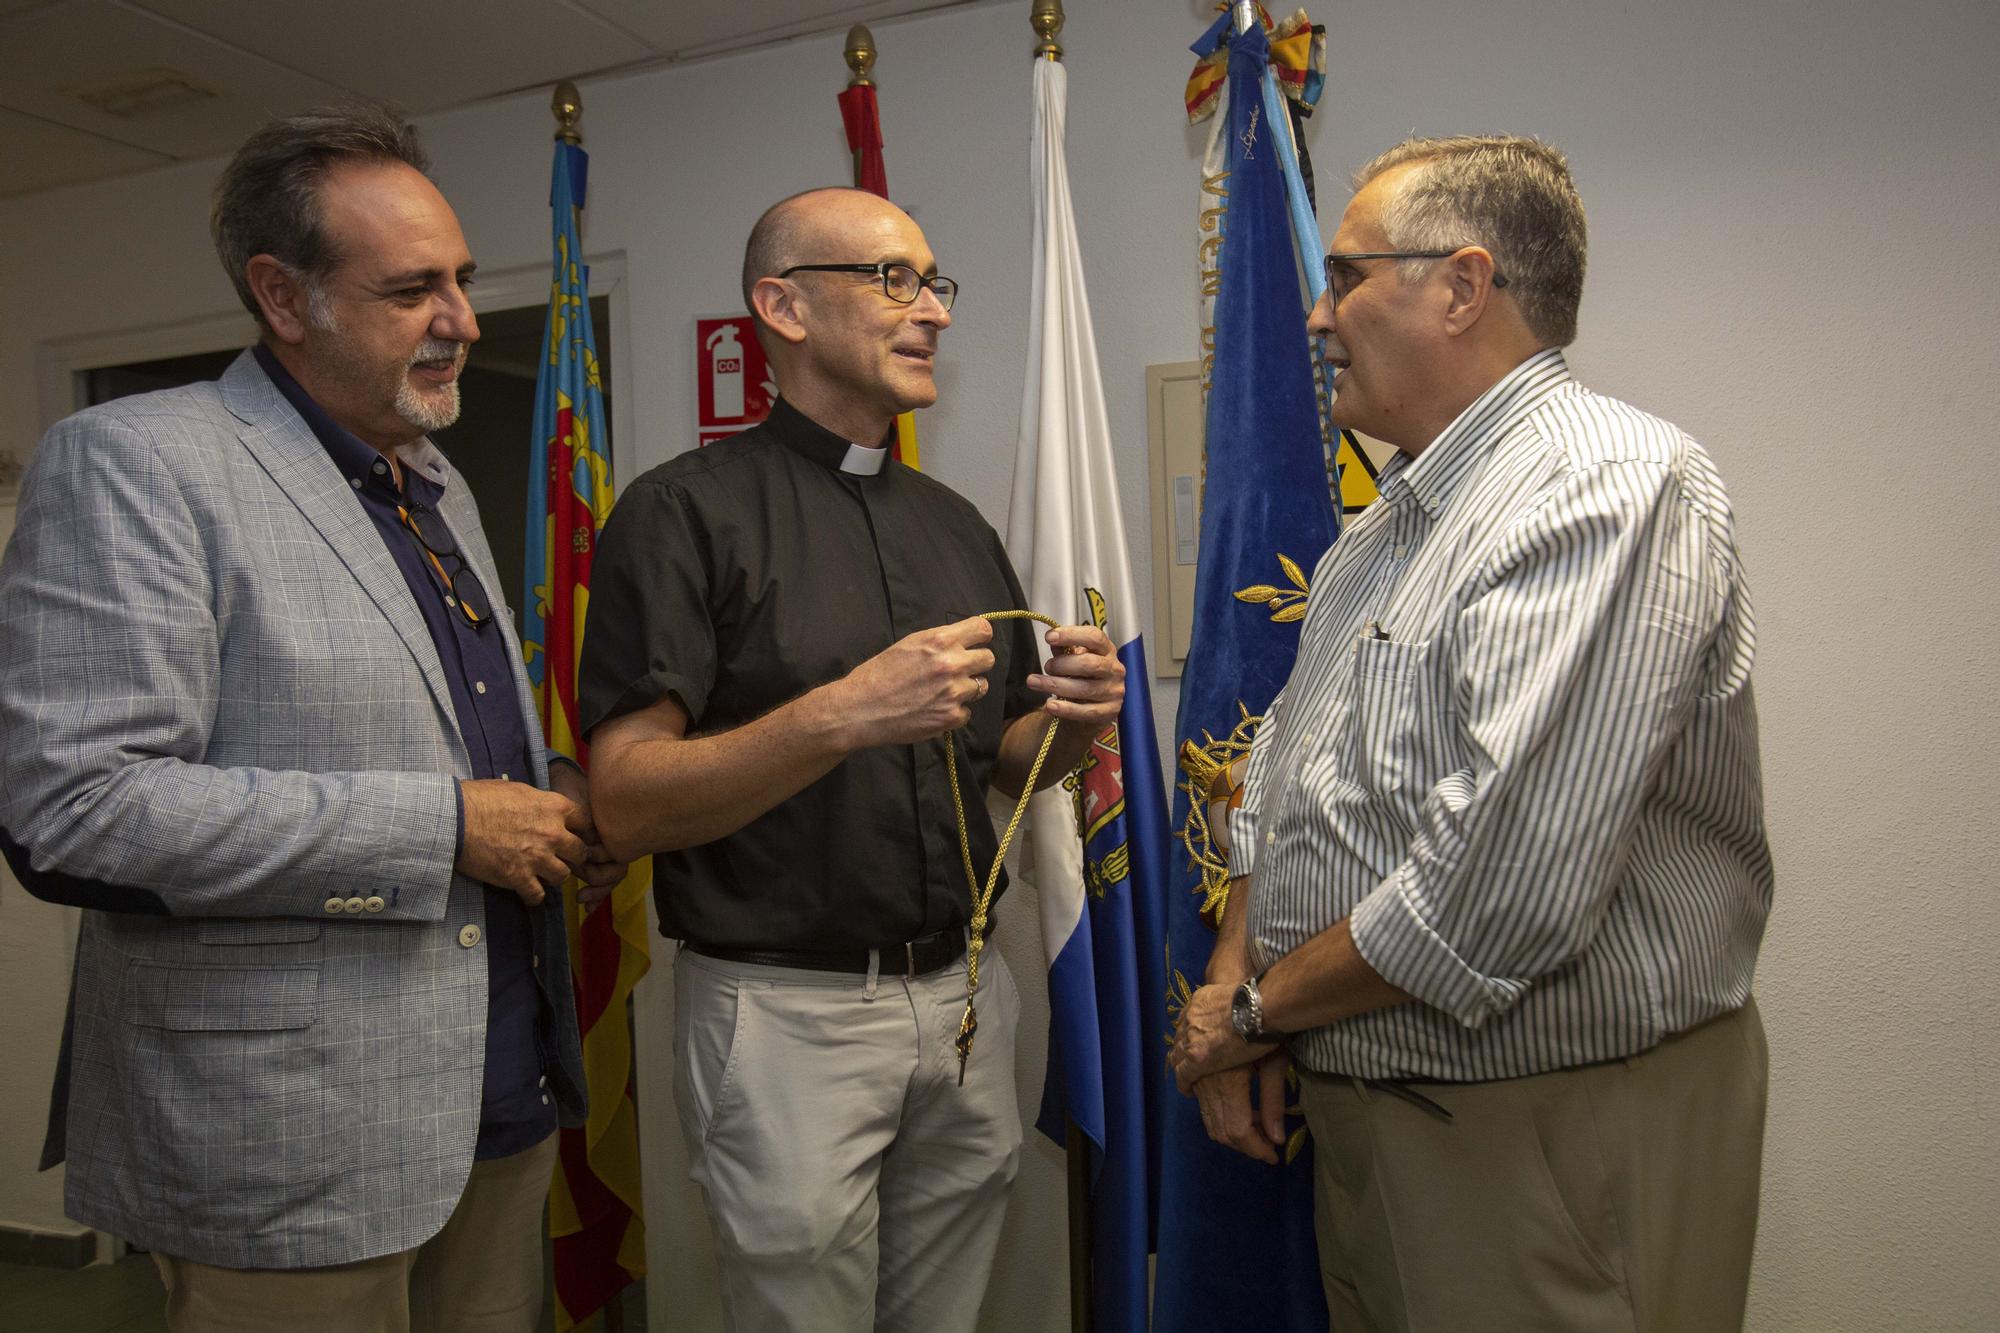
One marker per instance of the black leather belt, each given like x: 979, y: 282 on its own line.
x: 912, y: 959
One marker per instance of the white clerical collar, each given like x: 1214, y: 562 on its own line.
x: 863, y: 461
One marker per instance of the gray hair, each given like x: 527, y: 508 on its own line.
x: 1513, y: 196
x: 267, y: 199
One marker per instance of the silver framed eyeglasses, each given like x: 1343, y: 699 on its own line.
x: 900, y: 282
x: 1336, y: 291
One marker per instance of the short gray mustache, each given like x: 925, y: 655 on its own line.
x: 437, y: 349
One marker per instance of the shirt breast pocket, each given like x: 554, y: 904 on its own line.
x: 1383, y: 741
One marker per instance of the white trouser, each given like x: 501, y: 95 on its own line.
x: 852, y: 1183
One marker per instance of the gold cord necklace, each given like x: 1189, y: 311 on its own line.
x: 982, y: 898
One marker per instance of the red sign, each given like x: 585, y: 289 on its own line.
x: 733, y: 387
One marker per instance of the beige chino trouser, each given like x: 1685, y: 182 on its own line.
x: 481, y: 1274
x: 1614, y: 1196
x: 852, y: 1183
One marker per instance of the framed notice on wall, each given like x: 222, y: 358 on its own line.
x: 733, y: 387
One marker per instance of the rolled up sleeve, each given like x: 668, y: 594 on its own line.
x: 1573, y: 671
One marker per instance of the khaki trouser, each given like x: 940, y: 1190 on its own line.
x: 481, y: 1274
x: 852, y: 1183
x: 1614, y: 1196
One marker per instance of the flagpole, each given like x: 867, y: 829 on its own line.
x: 1046, y: 18
x: 566, y: 105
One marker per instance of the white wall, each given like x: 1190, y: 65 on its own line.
x: 1789, y: 207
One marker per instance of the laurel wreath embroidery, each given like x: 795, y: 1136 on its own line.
x: 1287, y: 604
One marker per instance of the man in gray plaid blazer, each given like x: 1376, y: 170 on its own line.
x: 263, y: 692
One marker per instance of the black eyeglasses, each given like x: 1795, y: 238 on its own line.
x: 461, y: 584
x: 900, y: 282
x: 1336, y: 293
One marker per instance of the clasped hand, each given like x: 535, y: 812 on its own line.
x: 521, y: 838
x: 1220, y: 1069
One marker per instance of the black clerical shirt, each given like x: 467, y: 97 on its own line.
x: 740, y: 576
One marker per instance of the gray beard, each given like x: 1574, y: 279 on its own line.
x: 427, y: 413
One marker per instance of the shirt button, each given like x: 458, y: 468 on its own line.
x: 335, y: 906
x: 355, y: 482
x: 380, y: 467
x: 375, y: 903
x: 479, y: 685
x: 506, y: 777
x: 468, y: 935
x: 537, y: 961
x: 354, y: 904
x: 545, y: 1099
x: 1401, y: 550
x: 1270, y: 838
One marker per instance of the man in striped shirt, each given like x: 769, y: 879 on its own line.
x: 1499, y: 863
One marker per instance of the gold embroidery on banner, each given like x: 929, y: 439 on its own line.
x: 1287, y: 604
x: 1201, y: 763
x: 1097, y: 790
x: 1178, y: 994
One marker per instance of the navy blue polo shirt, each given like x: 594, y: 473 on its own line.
x: 515, y: 1112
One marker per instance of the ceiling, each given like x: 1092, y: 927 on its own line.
x: 96, y: 88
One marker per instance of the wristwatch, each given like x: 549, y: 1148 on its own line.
x: 1246, y: 1014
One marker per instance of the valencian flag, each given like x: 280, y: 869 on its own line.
x: 1099, y: 843
x: 1236, y: 1242
x: 861, y: 117
x: 595, y: 1215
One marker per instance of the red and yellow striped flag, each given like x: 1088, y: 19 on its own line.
x: 861, y: 117
x: 596, y: 1215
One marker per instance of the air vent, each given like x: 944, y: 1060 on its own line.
x: 150, y: 92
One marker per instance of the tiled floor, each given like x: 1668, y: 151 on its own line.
x: 125, y: 1297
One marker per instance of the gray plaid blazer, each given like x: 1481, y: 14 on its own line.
x: 219, y: 689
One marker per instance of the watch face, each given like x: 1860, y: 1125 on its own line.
x: 1239, y: 1012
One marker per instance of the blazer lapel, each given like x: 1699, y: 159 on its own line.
x: 286, y: 448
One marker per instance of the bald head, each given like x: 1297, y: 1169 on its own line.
x: 843, y: 348
x: 806, y: 228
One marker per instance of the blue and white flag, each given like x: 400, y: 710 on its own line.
x: 1236, y: 1240
x: 1099, y: 843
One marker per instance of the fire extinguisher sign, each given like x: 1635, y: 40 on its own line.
x: 734, y: 388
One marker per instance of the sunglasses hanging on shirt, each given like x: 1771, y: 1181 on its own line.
x: 462, y: 587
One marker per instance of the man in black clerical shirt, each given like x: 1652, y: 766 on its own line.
x: 786, y: 635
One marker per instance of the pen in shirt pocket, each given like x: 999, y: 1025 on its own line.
x: 1373, y: 630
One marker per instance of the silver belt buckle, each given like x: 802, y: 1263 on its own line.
x: 909, y: 958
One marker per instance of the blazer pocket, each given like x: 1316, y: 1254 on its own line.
x: 223, y: 999
x: 255, y: 930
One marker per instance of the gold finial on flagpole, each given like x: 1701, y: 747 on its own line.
x: 860, y: 55
x: 567, y: 104
x: 1046, y: 18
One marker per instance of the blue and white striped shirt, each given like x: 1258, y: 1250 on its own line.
x: 1519, y: 749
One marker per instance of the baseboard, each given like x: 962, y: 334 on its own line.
x: 47, y: 1249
